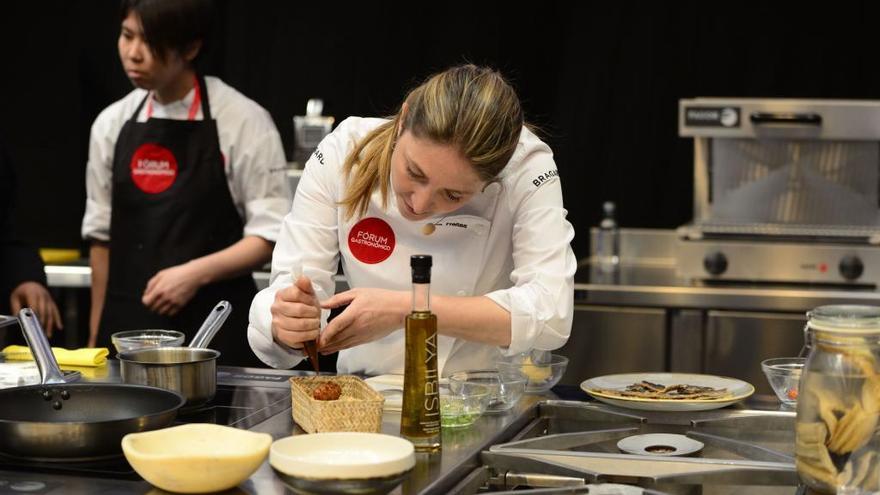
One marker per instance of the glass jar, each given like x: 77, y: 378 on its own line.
x: 837, y: 442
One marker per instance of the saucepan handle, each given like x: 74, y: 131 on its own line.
x: 211, y: 325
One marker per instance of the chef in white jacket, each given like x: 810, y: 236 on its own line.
x: 455, y: 174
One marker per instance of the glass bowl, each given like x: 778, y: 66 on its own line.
x: 543, y: 370
x: 463, y: 406
x: 783, y: 375
x: 132, y: 340
x: 505, y: 387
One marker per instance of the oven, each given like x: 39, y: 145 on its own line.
x: 785, y: 191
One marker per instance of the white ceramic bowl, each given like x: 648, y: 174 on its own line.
x: 197, y: 457
x: 342, y: 456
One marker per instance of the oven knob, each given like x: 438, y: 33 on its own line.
x: 715, y: 263
x: 851, y: 267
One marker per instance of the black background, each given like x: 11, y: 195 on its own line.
x: 602, y: 79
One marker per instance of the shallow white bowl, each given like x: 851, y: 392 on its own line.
x: 342, y: 455
x: 197, y: 457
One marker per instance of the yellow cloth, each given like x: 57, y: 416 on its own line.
x: 53, y: 256
x: 66, y: 357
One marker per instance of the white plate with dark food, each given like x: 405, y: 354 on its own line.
x: 667, y: 391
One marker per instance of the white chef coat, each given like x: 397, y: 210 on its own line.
x: 250, y: 144
x: 510, y: 242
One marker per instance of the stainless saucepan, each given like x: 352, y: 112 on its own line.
x: 60, y: 421
x: 190, y: 371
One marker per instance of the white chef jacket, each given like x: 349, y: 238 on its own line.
x: 510, y: 242
x: 250, y: 144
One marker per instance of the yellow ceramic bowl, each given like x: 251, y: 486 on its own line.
x: 196, y: 458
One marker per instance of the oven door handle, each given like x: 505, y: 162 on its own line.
x: 786, y: 118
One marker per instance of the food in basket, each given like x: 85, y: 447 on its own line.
x: 357, y: 408
x: 327, y: 391
x: 647, y: 390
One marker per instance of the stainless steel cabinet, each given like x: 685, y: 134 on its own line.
x: 737, y: 342
x: 606, y: 339
x: 610, y: 339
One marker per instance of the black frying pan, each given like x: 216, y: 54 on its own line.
x: 59, y: 421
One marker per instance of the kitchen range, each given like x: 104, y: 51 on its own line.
x: 541, y: 443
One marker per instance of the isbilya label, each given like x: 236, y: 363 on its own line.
x: 432, y: 380
x: 711, y: 116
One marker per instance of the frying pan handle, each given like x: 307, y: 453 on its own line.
x: 36, y: 340
x: 211, y: 325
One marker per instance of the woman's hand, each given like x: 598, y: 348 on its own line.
x: 33, y: 295
x: 371, y: 315
x: 171, y: 289
x: 296, y: 314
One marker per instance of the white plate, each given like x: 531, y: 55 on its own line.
x: 657, y: 443
x: 738, y: 388
x: 342, y: 455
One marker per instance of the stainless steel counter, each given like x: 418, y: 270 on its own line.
x: 433, y: 474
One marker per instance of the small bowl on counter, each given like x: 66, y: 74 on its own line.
x: 543, y: 370
x: 464, y: 405
x: 784, y: 375
x: 505, y: 387
x: 196, y: 457
x: 133, y: 340
x: 342, y: 462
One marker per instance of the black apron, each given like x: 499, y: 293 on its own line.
x: 171, y: 204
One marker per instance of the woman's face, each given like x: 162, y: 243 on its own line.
x: 142, y: 66
x: 430, y: 179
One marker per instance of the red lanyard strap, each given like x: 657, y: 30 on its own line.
x: 194, y: 106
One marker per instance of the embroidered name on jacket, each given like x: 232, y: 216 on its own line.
x: 545, y: 177
x: 320, y: 156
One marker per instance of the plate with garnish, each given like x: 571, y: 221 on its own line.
x: 667, y: 391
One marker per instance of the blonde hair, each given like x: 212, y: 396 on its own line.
x: 472, y: 108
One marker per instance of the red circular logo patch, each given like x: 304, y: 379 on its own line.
x: 153, y: 168
x: 371, y: 240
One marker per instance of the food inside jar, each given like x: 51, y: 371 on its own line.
x: 837, y: 435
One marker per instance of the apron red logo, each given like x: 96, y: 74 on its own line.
x: 371, y: 240
x: 153, y: 168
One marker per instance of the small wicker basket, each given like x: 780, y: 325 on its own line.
x: 359, y: 408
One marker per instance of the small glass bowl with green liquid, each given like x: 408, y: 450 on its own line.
x: 463, y: 407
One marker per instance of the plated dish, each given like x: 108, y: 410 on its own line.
x: 667, y: 391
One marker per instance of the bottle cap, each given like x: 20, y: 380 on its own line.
x: 421, y: 268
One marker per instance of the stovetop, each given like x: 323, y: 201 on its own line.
x: 572, y: 447
x: 243, y: 400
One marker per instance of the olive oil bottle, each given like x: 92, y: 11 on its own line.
x: 420, y: 416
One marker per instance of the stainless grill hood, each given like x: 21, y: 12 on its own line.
x: 784, y: 191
